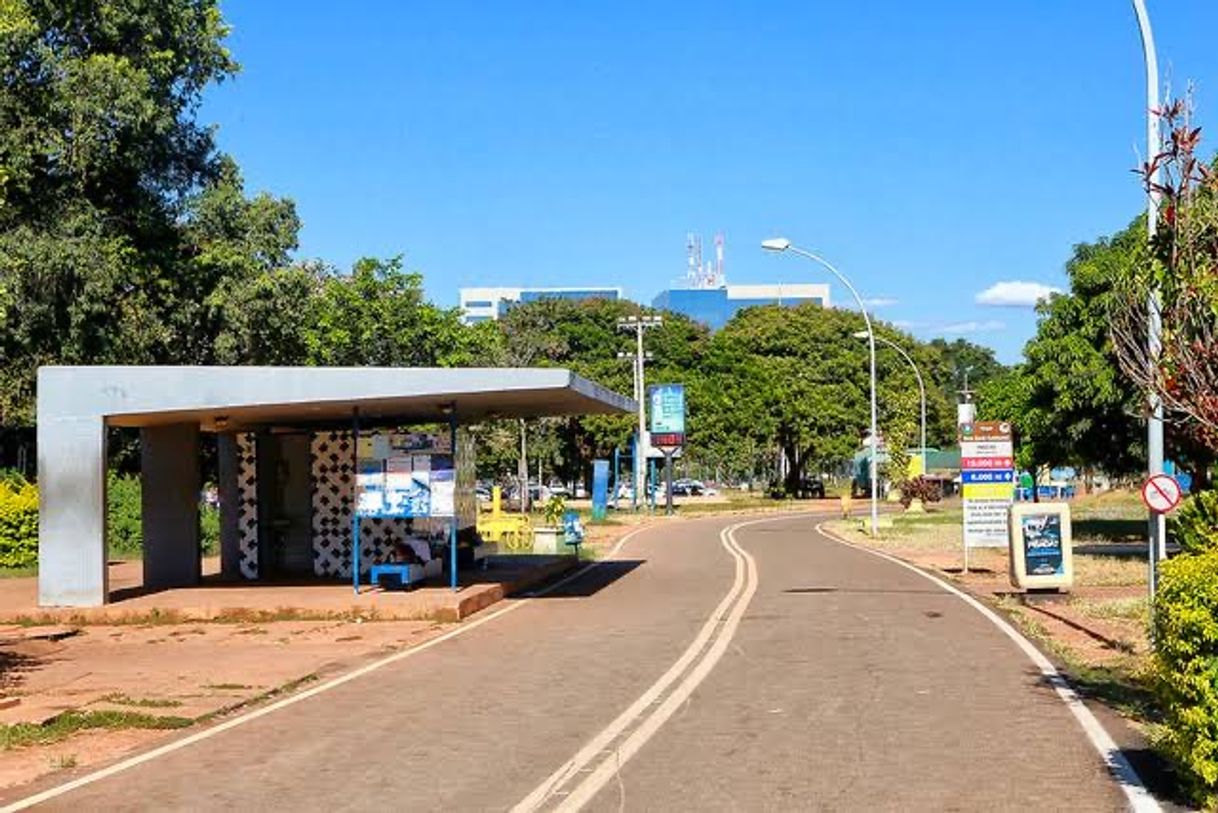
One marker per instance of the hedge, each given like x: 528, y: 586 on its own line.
x: 124, y: 528
x: 18, y: 524
x: 1194, y: 525
x: 1186, y: 661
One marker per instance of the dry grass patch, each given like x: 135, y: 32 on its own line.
x: 1108, y: 571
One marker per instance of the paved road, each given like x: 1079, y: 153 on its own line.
x: 848, y: 683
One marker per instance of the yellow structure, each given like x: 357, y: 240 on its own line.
x: 513, y: 531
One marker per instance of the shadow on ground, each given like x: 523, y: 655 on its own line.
x: 1131, y: 698
x: 592, y: 582
x: 13, y: 668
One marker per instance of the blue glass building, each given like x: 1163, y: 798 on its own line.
x: 714, y: 307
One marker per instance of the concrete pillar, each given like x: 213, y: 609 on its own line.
x: 230, y: 505
x: 72, y: 512
x: 170, y: 504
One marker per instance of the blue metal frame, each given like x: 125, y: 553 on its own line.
x: 356, y: 515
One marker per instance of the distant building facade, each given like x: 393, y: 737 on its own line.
x: 487, y: 304
x: 714, y: 307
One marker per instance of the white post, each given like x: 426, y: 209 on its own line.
x: 921, y: 392
x: 1154, y: 428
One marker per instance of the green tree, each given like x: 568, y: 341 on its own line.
x: 100, y: 157
x: 583, y: 336
x: 793, y: 379
x: 378, y: 315
x: 1080, y: 409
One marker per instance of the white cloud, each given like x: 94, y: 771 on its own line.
x: 1015, y: 294
x: 986, y: 326
x: 880, y: 302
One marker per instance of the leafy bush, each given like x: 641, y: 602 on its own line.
x: 553, y: 511
x: 209, y: 529
x: 18, y: 524
x: 124, y: 523
x: 920, y: 488
x: 12, y: 477
x: 1186, y: 661
x: 1194, y: 525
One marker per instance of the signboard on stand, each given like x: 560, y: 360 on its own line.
x: 667, y: 402
x: 987, y: 482
x: 1041, y: 555
x: 600, y: 488
x: 410, y: 476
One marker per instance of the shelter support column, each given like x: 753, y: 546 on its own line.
x: 230, y: 505
x: 170, y: 504
x: 72, y: 512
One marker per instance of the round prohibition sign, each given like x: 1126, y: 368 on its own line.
x: 1161, y: 493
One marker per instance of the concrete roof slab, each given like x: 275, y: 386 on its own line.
x: 248, y: 396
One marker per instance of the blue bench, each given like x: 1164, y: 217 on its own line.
x: 400, y: 569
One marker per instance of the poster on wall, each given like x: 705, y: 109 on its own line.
x: 406, y: 475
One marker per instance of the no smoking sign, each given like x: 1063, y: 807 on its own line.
x: 1161, y: 493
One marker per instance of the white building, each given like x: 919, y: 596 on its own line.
x: 482, y: 304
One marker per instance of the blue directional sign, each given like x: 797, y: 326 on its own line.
x: 667, y: 402
x: 987, y: 476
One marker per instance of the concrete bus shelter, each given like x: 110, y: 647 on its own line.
x: 249, y: 409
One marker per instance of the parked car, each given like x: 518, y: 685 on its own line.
x: 688, y: 488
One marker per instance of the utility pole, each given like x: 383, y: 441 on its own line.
x: 639, y: 325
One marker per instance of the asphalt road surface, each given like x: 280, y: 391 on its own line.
x: 766, y: 669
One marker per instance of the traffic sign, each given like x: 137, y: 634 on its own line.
x: 1161, y: 493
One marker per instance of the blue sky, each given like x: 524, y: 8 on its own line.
x: 930, y: 150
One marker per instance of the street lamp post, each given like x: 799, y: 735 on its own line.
x: 783, y: 244
x: 1154, y: 326
x: 636, y: 363
x: 639, y: 324
x: 921, y: 386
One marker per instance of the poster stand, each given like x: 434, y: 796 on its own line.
x: 404, y: 486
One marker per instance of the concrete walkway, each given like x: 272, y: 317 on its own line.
x: 847, y: 683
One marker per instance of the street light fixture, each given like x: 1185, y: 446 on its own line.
x: 783, y: 244
x: 639, y: 324
x: 862, y: 334
x: 1154, y: 323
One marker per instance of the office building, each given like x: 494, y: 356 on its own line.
x: 483, y: 304
x: 714, y: 307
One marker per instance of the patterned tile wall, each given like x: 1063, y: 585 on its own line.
x: 333, y: 487
x: 333, y: 467
x: 247, y: 510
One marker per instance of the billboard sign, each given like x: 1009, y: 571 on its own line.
x: 667, y: 403
x: 987, y: 480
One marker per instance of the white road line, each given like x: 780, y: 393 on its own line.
x: 292, y: 700
x: 737, y: 598
x: 1140, y: 799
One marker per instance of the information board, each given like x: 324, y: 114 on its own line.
x: 1041, y: 547
x: 667, y: 402
x: 987, y: 482
x: 600, y: 488
x: 408, y: 476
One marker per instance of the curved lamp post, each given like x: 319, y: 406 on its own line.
x: 862, y: 334
x: 1154, y: 326
x: 783, y: 244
